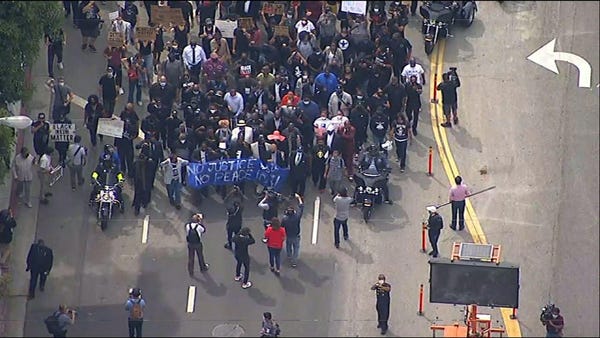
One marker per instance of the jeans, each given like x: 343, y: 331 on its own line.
x: 24, y: 191
x: 76, y: 172
x: 134, y: 86
x: 44, y: 185
x: 135, y: 327
x: 245, y: 261
x: 174, y: 191
x: 35, y: 274
x: 275, y: 257
x: 54, y: 50
x: 196, y: 250
x: 336, y: 230
x: 433, y: 239
x: 458, y: 209
x: 413, y: 115
x: 401, y: 152
x: 335, y: 185
x: 149, y: 60
x: 292, y: 247
x: 231, y: 231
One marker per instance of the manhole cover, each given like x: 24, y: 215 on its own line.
x: 228, y: 330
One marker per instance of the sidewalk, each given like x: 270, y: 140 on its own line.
x: 13, y: 308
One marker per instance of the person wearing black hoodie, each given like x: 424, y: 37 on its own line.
x: 242, y: 240
x: 234, y: 221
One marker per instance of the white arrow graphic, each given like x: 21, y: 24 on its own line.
x: 547, y: 57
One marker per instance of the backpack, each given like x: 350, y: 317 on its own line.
x: 271, y: 329
x: 193, y: 237
x: 52, y: 324
x: 136, y: 311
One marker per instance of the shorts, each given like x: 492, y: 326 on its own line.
x: 450, y: 108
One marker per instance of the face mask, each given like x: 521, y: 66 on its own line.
x: 196, y: 92
x: 381, y: 281
x: 307, y: 102
x: 554, y: 316
x: 61, y: 83
x: 376, y: 10
x: 412, y: 64
x: 289, y: 16
x: 359, y: 97
x: 162, y: 84
x: 304, y: 22
x: 212, y: 111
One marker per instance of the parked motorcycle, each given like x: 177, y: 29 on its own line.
x: 106, y: 200
x: 438, y: 16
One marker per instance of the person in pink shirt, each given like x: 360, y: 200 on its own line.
x: 458, y: 194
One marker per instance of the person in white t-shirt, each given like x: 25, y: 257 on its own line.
x: 321, y: 123
x: 304, y: 25
x: 338, y: 120
x: 44, y: 173
x: 122, y: 26
x: 413, y: 68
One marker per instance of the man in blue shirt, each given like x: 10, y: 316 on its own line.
x: 325, y: 84
x: 308, y: 108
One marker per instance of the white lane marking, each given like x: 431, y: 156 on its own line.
x: 81, y: 102
x: 145, y: 229
x: 191, y: 299
x: 547, y: 57
x: 315, y: 229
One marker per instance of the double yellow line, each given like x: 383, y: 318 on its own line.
x: 437, y: 116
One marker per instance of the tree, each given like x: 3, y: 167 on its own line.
x: 22, y: 25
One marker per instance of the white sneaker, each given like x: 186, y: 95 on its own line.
x: 60, y: 65
x: 139, y: 103
x: 246, y: 285
x: 121, y: 92
x: 237, y: 278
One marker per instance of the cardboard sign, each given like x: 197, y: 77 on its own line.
x: 356, y: 7
x: 115, y: 39
x: 226, y: 27
x: 274, y: 9
x: 166, y: 15
x: 113, y: 15
x: 281, y: 31
x: 247, y: 23
x: 145, y: 33
x: 175, y: 16
x: 110, y: 127
x: 62, y: 132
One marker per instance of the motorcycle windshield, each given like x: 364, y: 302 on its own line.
x: 438, y: 12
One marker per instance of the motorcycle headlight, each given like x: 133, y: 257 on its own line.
x: 376, y: 190
x: 369, y: 190
x: 111, y: 194
x: 360, y: 189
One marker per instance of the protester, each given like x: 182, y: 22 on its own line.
x: 39, y: 263
x: 342, y: 212
x: 22, y: 169
x: 45, y: 171
x: 291, y: 222
x: 450, y: 82
x: 135, y: 306
x: 234, y: 218
x: 242, y: 240
x: 194, y: 231
x: 7, y: 224
x: 173, y: 172
x: 89, y: 24
x: 274, y: 237
x: 402, y: 135
x: 269, y: 327
x: 143, y: 167
x: 41, y: 134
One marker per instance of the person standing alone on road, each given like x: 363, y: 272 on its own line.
x: 342, y: 211
x: 435, y: 225
x: 135, y: 306
x: 242, y: 240
x: 23, y: 173
x: 194, y: 231
x: 39, y: 262
x: 449, y: 96
x: 457, y: 196
x: 382, y: 291
x: 274, y: 237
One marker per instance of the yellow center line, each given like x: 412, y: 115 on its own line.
x: 450, y: 168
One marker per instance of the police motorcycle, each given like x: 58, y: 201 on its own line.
x: 438, y: 16
x: 372, y: 176
x: 107, y: 191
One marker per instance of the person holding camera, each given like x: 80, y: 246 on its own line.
x: 242, y: 240
x: 382, y: 291
x: 554, y: 325
x: 449, y: 96
x: 58, y: 322
x: 135, y: 305
x: 291, y: 222
x: 270, y: 206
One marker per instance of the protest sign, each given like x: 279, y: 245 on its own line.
x: 247, y: 23
x: 160, y: 15
x: 275, y: 9
x: 115, y: 39
x: 175, y: 16
x: 233, y: 171
x: 281, y: 30
x: 145, y: 33
x: 113, y: 15
x: 110, y: 127
x: 62, y: 132
x: 356, y: 7
x: 226, y: 27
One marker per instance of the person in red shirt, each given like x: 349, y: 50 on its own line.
x: 290, y: 99
x: 274, y: 237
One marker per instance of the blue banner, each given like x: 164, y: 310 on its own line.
x: 232, y: 171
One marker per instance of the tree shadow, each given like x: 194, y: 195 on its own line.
x: 458, y: 47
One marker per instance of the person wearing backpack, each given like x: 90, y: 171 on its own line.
x: 135, y: 307
x: 194, y: 231
x: 59, y: 321
x: 269, y: 327
x: 39, y: 262
x: 76, y: 159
